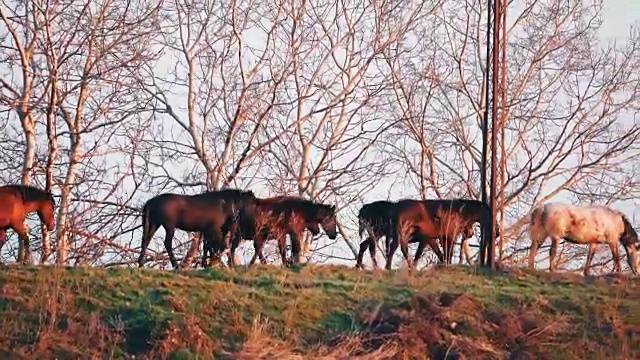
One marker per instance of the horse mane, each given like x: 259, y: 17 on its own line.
x: 228, y: 192
x: 32, y: 193
x: 629, y: 231
x: 460, y: 203
x: 306, y: 205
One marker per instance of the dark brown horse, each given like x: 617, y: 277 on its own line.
x: 424, y: 221
x: 212, y: 213
x: 374, y: 218
x: 281, y: 215
x: 18, y: 201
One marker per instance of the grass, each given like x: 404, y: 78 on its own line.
x: 326, y: 312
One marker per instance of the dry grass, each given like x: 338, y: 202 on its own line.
x: 315, y: 312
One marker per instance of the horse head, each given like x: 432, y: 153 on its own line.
x: 47, y: 213
x: 313, y: 228
x: 247, y: 196
x: 327, y: 218
x: 468, y: 232
x: 631, y: 243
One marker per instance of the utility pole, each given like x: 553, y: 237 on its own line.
x: 495, y: 89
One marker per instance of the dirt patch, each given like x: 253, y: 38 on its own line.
x: 456, y: 326
x: 185, y: 336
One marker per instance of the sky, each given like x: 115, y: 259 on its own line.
x: 618, y: 15
x: 619, y: 18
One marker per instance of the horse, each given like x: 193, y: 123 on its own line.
x: 18, y: 201
x: 591, y: 225
x: 428, y: 220
x: 375, y: 217
x: 282, y: 215
x: 212, y: 213
x: 466, y: 235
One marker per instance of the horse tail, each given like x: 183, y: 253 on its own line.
x: 538, y: 216
x: 146, y: 236
x: 361, y: 225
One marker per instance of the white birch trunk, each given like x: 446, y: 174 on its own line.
x: 28, y: 162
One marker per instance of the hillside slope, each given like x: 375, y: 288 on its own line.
x: 315, y: 312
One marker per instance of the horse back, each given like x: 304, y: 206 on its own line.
x: 10, y: 200
x: 410, y: 210
x: 170, y: 205
x: 283, y: 198
x: 376, y: 210
x: 579, y: 223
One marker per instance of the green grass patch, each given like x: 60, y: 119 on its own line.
x: 118, y: 313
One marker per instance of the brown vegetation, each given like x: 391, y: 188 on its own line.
x: 315, y: 312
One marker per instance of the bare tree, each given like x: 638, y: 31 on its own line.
x: 74, y: 63
x: 570, y: 99
x: 337, y: 89
x: 19, y: 87
x: 108, y: 104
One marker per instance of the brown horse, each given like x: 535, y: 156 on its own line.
x: 375, y: 217
x: 213, y: 213
x: 313, y: 228
x: 278, y: 216
x: 424, y: 221
x: 18, y: 201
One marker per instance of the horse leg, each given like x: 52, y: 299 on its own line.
x: 462, y: 243
x: 387, y: 243
x: 447, y: 244
x: 404, y: 247
x: 3, y: 236
x: 295, y: 248
x: 263, y: 260
x: 234, y: 243
x: 168, y: 240
x: 282, y: 248
x: 146, y: 240
x: 372, y: 252
x: 23, y: 235
x: 615, y: 252
x: 422, y: 243
x: 452, y: 244
x: 235, y: 238
x: 258, y: 244
x: 393, y: 246
x: 467, y: 252
x: 363, y: 247
x: 590, y: 254
x: 207, y: 251
x: 535, y: 243
x: 552, y: 253
x: 217, y: 240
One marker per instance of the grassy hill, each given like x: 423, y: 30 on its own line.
x: 315, y: 312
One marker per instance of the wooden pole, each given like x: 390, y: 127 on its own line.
x: 496, y: 61
x: 503, y: 118
x: 485, y: 130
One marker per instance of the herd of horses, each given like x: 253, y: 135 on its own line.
x: 243, y: 216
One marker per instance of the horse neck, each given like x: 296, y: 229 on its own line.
x: 267, y: 205
x: 32, y: 206
x: 472, y: 212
